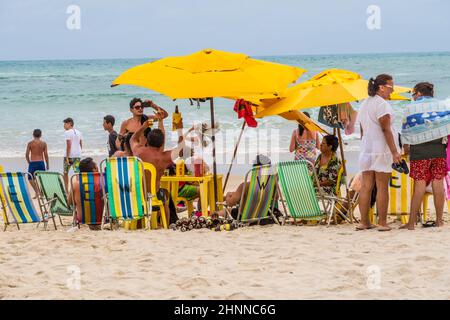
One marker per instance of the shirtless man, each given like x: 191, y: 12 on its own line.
x: 134, y: 123
x: 36, y: 154
x: 154, y: 153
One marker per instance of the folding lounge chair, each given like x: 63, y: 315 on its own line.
x: 52, y: 194
x: 338, y: 202
x: 153, y: 201
x: 296, y: 189
x: 125, y: 182
x: 17, y: 202
x: 92, y: 198
x: 256, y: 201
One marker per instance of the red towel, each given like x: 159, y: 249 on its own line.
x: 244, y: 110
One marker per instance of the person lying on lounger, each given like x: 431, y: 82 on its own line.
x: 233, y: 198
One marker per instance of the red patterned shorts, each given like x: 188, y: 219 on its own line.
x: 429, y: 169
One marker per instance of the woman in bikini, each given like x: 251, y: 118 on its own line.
x: 304, y: 143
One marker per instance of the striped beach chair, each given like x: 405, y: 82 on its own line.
x: 91, y: 198
x: 257, y: 199
x: 297, y: 191
x: 52, y: 194
x: 16, y: 201
x: 125, y: 182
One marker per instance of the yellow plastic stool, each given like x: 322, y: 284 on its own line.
x: 133, y: 224
x: 150, y: 175
x: 425, y: 205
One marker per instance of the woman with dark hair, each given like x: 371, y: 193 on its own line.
x: 125, y: 147
x: 328, y: 164
x: 379, y: 149
x: 304, y: 143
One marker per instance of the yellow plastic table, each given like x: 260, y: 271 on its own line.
x: 206, y: 186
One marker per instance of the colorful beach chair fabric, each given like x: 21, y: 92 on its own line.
x: 53, y: 196
x: 16, y: 201
x: 297, y: 188
x: 126, y: 190
x: 91, y: 197
x: 257, y: 200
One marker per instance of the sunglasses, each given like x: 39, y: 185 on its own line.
x: 138, y: 107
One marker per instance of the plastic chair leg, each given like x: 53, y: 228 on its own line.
x: 425, y: 207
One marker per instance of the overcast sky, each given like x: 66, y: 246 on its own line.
x: 36, y: 29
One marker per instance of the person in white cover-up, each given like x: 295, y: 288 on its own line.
x: 379, y: 149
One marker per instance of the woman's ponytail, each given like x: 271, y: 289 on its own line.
x: 374, y: 84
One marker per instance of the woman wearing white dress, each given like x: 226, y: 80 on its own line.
x: 379, y: 149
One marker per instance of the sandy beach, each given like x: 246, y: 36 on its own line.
x: 260, y: 262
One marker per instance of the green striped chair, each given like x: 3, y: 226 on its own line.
x: 16, y: 201
x: 296, y: 189
x: 52, y: 194
x: 257, y: 199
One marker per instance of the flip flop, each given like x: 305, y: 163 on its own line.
x: 429, y: 224
x: 382, y: 229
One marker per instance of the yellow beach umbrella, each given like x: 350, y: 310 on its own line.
x: 302, y: 119
x: 329, y: 87
x: 212, y: 73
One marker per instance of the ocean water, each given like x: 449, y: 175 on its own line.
x: 40, y: 94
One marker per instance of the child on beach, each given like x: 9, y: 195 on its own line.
x: 37, y: 156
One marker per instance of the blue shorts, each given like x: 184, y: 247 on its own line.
x: 35, y: 166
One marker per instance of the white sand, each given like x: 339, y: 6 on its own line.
x: 262, y: 262
x: 265, y: 262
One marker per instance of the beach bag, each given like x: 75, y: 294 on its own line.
x: 328, y: 115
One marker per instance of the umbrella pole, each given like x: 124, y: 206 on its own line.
x: 341, y: 147
x: 234, y: 156
x: 213, y: 139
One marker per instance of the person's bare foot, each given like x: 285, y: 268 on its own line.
x: 406, y: 226
x: 383, y: 228
x: 364, y: 227
x: 439, y: 223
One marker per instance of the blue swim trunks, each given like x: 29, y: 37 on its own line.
x: 35, y: 166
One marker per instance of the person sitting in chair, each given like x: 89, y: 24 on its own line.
x: 328, y: 164
x: 86, y: 165
x: 234, y: 197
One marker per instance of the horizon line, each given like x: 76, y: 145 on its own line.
x: 253, y: 56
